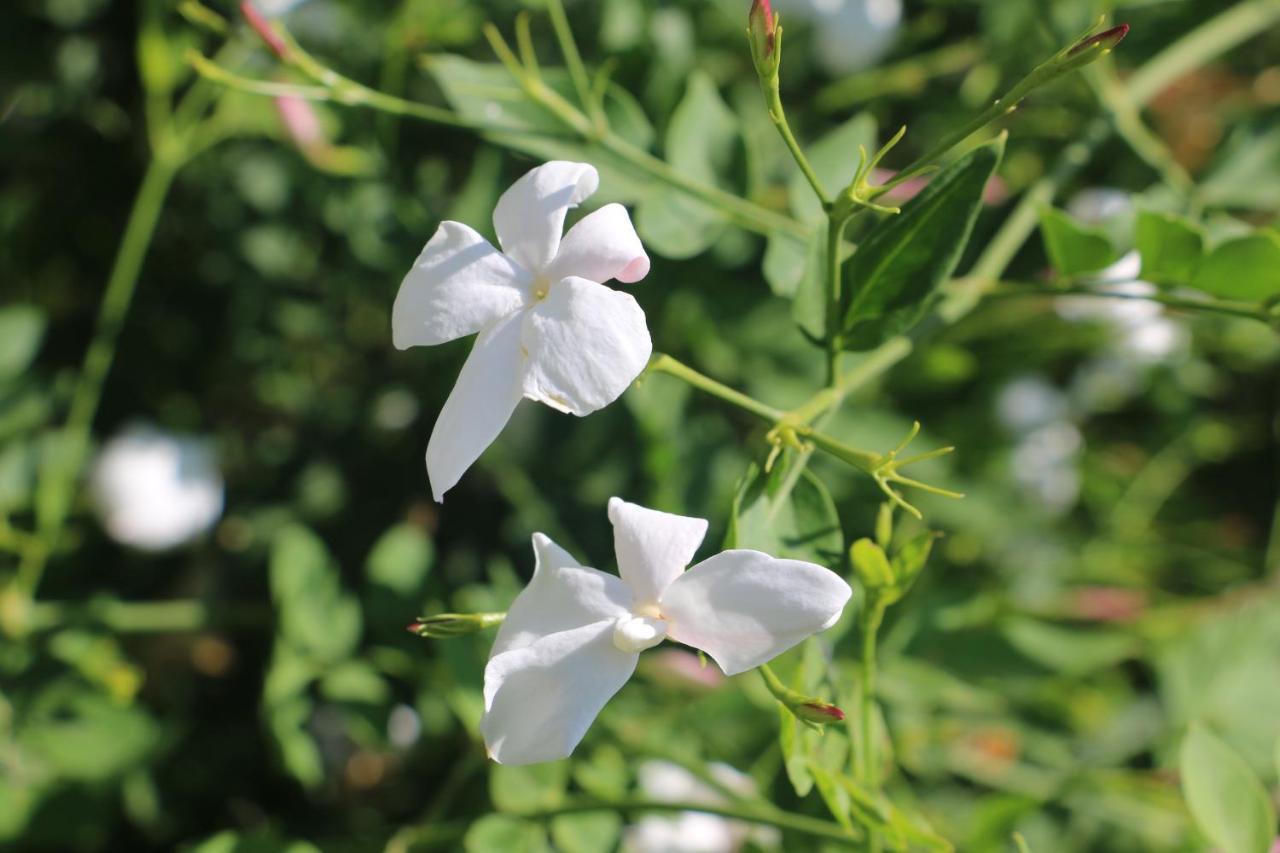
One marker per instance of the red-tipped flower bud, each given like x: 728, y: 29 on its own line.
x: 1106, y: 40
x: 764, y: 33
x: 763, y: 26
x: 263, y: 28
x: 818, y: 712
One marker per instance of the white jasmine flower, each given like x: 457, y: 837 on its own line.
x: 549, y: 331
x: 572, y: 638
x: 693, y: 832
x: 154, y: 491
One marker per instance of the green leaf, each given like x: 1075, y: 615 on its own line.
x: 893, y: 277
x: 588, y: 832
x: 497, y: 833
x: 786, y: 260
x: 316, y: 614
x: 355, y: 681
x: 262, y: 841
x: 809, y: 305
x: 604, y: 774
x: 1226, y: 799
x: 486, y: 92
x: 1246, y: 268
x: 703, y: 143
x: 834, y: 794
x: 298, y: 750
x: 400, y: 559
x: 21, y: 330
x: 1171, y: 247
x: 1073, y: 247
x: 792, y: 518
x: 84, y: 736
x: 835, y: 160
x: 1069, y: 650
x: 871, y: 564
x: 531, y: 787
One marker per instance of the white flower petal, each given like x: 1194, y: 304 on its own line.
x: 603, y: 245
x: 744, y: 608
x: 652, y: 547
x: 479, y: 406
x: 529, y: 217
x: 540, y: 700
x: 586, y: 344
x: 562, y: 595
x: 458, y: 285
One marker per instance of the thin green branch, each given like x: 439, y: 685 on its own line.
x: 786, y: 821
x: 138, y: 617
x: 1249, y: 311
x: 58, y: 484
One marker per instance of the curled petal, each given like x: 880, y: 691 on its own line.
x: 652, y: 547
x: 586, y: 344
x: 603, y: 245
x: 539, y: 700
x: 458, y: 285
x: 562, y: 595
x: 529, y: 217
x: 744, y: 608
x: 479, y: 406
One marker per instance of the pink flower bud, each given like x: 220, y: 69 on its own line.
x: 301, y: 122
x: 822, y: 713
x: 763, y: 25
x: 264, y: 29
x: 1106, y: 40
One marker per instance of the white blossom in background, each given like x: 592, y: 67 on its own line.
x: 1143, y: 332
x: 573, y: 636
x: 548, y: 329
x: 154, y: 491
x: 1045, y: 460
x: 693, y: 832
x: 850, y: 35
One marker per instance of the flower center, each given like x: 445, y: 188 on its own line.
x: 637, y: 633
x: 541, y: 287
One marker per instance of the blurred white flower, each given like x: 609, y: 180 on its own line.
x: 1029, y: 402
x: 548, y: 330
x: 154, y: 491
x: 850, y: 35
x: 573, y: 636
x: 692, y: 832
x: 1045, y: 465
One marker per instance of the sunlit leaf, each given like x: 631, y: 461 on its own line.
x: 1073, y: 247
x: 893, y: 278
x: 1226, y: 799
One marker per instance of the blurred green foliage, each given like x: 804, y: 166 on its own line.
x: 1108, y: 586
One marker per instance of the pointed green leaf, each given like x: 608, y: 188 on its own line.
x: 1246, y: 268
x: 21, y: 330
x: 703, y: 143
x: 1229, y: 804
x: 894, y: 276
x: 1073, y: 247
x: 1171, y: 247
x: 792, y: 518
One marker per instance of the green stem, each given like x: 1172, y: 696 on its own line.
x: 139, y: 617
x: 1232, y: 309
x: 863, y: 460
x: 835, y: 346
x: 786, y: 821
x: 664, y: 363
x: 875, y: 363
x: 870, y: 771
x: 65, y: 468
x: 572, y: 59
x: 778, y: 115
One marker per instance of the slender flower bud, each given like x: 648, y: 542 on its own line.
x: 810, y: 709
x: 763, y: 33
x: 446, y: 625
x: 1106, y: 40
x: 263, y: 28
